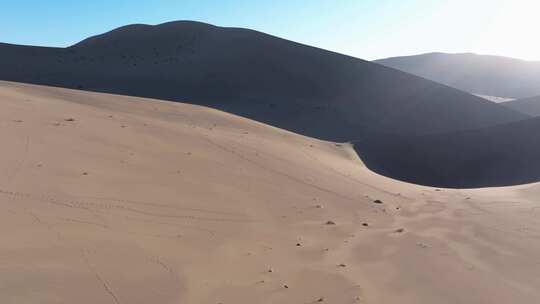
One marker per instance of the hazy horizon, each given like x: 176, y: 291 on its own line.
x: 364, y: 29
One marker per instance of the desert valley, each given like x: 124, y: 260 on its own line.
x: 190, y: 163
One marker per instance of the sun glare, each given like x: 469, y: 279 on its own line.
x: 514, y: 30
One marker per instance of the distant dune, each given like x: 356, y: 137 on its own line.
x: 111, y: 199
x: 528, y: 106
x: 495, y: 156
x: 478, y: 74
x: 288, y: 85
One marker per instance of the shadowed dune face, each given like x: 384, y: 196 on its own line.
x: 292, y: 86
x: 528, y: 106
x: 477, y: 74
x: 496, y: 156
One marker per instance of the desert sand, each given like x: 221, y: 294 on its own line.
x: 112, y: 199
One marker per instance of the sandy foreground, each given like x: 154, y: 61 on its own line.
x: 111, y: 199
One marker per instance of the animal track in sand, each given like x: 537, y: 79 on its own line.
x: 106, y: 284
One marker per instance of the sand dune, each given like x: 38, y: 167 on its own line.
x: 495, y: 156
x: 111, y: 199
x: 529, y: 106
x: 477, y: 74
x: 288, y: 85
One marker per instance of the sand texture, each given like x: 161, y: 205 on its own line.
x: 122, y: 200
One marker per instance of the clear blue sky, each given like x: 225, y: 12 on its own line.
x: 368, y: 29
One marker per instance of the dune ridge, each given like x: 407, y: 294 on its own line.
x: 288, y: 85
x: 292, y: 86
x: 477, y: 74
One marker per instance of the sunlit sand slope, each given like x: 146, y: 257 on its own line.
x: 109, y: 199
